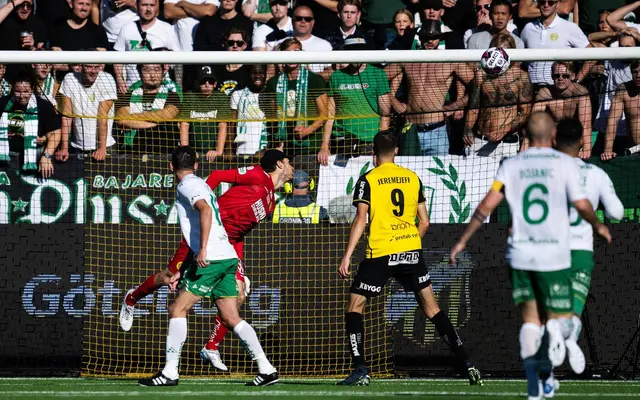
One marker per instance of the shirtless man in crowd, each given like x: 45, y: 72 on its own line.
x: 627, y: 99
x: 428, y: 85
x: 500, y: 106
x: 566, y: 99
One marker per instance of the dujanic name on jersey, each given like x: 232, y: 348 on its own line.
x: 530, y: 173
x: 394, y: 179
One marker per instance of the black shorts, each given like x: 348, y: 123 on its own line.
x: 408, y: 268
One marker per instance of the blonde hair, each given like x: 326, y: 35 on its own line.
x: 503, y: 40
x: 288, y: 43
x: 405, y: 12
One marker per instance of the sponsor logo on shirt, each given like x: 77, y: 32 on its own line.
x: 204, y: 115
x: 353, y: 86
x: 554, y: 36
x: 259, y: 210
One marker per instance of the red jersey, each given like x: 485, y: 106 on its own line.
x: 242, y: 207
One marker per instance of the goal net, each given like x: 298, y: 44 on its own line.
x: 454, y: 123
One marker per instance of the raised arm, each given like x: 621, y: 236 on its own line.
x: 325, y: 151
x: 616, y: 18
x: 528, y: 9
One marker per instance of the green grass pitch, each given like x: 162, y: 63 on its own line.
x: 211, y: 388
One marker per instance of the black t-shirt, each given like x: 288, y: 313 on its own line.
x: 324, y: 19
x: 162, y: 138
x: 228, y: 81
x: 212, y: 30
x: 52, y: 12
x: 48, y: 121
x: 90, y: 36
x: 12, y: 26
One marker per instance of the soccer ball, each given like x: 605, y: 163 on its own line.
x: 495, y: 61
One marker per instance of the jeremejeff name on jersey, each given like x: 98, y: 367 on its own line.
x: 394, y: 179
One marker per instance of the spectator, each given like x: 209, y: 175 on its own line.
x: 299, y: 208
x: 459, y: 17
x: 5, y: 88
x: 498, y: 107
x: 406, y: 33
x: 625, y: 100
x: 19, y: 28
x: 78, y: 32
x: 428, y: 88
x: 27, y: 121
x: 530, y: 9
x: 145, y: 34
x: 617, y: 72
x: 112, y: 15
x: 551, y: 32
x: 567, y: 99
x: 377, y: 20
x: 233, y: 76
x: 359, y: 94
x: 298, y: 95
x: 349, y: 12
x: 88, y: 96
x: 258, y: 11
x: 144, y: 115
x: 212, y: 30
x: 251, y: 129
x: 303, y: 22
x: 433, y: 10
x: 204, y: 117
x: 186, y: 15
x: 46, y: 85
x: 500, y: 15
x: 605, y: 35
x: 616, y: 18
x: 482, y: 20
x: 52, y: 12
x: 589, y: 10
x: 325, y: 13
x: 75, y: 68
x: 278, y: 27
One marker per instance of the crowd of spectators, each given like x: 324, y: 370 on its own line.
x: 238, y: 110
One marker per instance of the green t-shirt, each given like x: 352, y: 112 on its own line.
x: 356, y: 97
x: 203, y: 114
x: 316, y: 87
x: 380, y: 11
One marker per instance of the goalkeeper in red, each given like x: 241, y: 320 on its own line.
x: 249, y: 201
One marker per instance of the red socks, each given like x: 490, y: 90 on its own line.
x: 146, y: 288
x: 217, y: 334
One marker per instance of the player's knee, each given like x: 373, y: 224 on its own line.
x: 177, y: 310
x: 230, y: 321
x: 356, y: 303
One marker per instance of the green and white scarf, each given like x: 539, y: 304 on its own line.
x: 5, y: 88
x: 243, y: 125
x: 136, y: 106
x: 46, y: 90
x: 288, y: 110
x: 29, y: 131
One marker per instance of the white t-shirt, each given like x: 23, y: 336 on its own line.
x: 315, y: 43
x: 191, y: 189
x: 186, y: 27
x: 538, y: 185
x: 511, y: 27
x: 599, y: 189
x: 114, y: 23
x: 560, y: 34
x: 160, y: 34
x: 251, y: 133
x: 260, y: 35
x: 85, y: 101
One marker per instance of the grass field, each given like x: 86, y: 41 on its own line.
x: 80, y: 388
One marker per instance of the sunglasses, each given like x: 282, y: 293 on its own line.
x: 483, y: 7
x: 26, y: 5
x: 558, y: 76
x: 211, y: 82
x: 301, y: 18
x: 550, y: 3
x: 280, y: 2
x: 239, y: 43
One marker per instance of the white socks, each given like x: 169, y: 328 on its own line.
x: 530, y: 335
x: 175, y: 339
x: 577, y: 328
x: 249, y: 340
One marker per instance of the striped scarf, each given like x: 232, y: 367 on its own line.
x: 136, y: 106
x: 244, y: 131
x: 47, y: 88
x: 29, y: 130
x: 288, y: 108
x: 5, y: 88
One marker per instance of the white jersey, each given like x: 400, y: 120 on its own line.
x: 539, y: 184
x: 599, y: 189
x: 191, y: 189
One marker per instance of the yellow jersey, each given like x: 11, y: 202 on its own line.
x: 393, y: 194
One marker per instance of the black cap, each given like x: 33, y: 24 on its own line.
x: 270, y: 159
x: 431, y: 4
x: 430, y: 30
x: 206, y: 73
x: 356, y: 42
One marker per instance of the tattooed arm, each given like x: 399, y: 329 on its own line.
x: 525, y: 98
x: 473, y: 109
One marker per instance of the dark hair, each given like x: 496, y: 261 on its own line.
x: 183, y: 157
x: 569, y: 65
x: 343, y: 3
x: 235, y: 30
x: 507, y: 3
x: 140, y: 66
x: 25, y: 75
x: 384, y: 143
x: 634, y: 64
x: 568, y: 133
x: 254, y: 67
